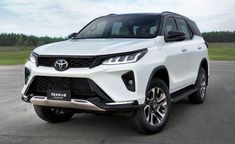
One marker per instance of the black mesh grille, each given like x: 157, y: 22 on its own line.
x: 79, y: 87
x: 73, y: 62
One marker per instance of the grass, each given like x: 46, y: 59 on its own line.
x: 222, y: 51
x: 14, y: 55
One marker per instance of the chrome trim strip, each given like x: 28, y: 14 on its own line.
x: 120, y: 103
x: 74, y: 103
x: 24, y: 96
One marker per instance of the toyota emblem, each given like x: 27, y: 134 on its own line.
x: 61, y: 65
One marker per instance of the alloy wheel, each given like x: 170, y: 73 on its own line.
x: 156, y: 106
x: 203, y: 85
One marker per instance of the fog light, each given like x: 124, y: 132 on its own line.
x: 129, y: 80
x: 27, y: 74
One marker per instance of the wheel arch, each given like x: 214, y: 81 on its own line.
x: 204, y: 64
x: 161, y: 73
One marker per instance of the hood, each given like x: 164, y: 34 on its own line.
x: 91, y: 47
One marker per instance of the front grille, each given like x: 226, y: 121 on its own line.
x: 73, y: 62
x: 81, y: 88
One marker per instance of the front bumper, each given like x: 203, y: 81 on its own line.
x: 91, y: 105
x: 108, y: 78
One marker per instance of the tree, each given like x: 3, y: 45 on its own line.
x: 219, y: 36
x: 19, y: 40
x: 13, y: 39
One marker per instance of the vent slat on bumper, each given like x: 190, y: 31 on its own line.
x: 81, y: 88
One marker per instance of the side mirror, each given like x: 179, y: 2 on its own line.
x: 174, y: 36
x: 72, y: 35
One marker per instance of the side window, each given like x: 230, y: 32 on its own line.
x: 183, y: 27
x: 194, y: 28
x: 170, y: 25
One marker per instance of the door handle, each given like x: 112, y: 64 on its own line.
x: 184, y: 50
x: 199, y: 48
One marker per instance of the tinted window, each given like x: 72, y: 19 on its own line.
x: 170, y: 25
x: 183, y: 27
x: 116, y: 28
x: 96, y: 30
x: 194, y: 28
x: 122, y: 27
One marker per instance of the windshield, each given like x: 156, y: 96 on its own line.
x: 121, y: 27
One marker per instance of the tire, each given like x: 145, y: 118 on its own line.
x: 153, y: 115
x: 201, y: 84
x: 53, y: 115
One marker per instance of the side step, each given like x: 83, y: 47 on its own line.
x: 176, y: 96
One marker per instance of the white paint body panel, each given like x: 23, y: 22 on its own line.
x: 94, y: 46
x: 181, y: 66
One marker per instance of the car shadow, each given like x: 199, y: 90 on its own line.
x: 116, y: 124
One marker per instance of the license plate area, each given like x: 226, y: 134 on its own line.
x: 63, y: 95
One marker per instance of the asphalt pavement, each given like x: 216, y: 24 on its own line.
x: 212, y: 122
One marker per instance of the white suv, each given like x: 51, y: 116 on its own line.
x: 137, y: 63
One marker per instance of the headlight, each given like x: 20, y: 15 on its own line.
x: 33, y: 57
x: 125, y: 58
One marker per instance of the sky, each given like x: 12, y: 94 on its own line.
x: 61, y: 17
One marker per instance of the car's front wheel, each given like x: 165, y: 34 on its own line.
x: 53, y: 115
x: 153, y: 115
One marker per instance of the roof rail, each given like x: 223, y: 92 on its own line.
x: 168, y: 12
x: 111, y: 14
